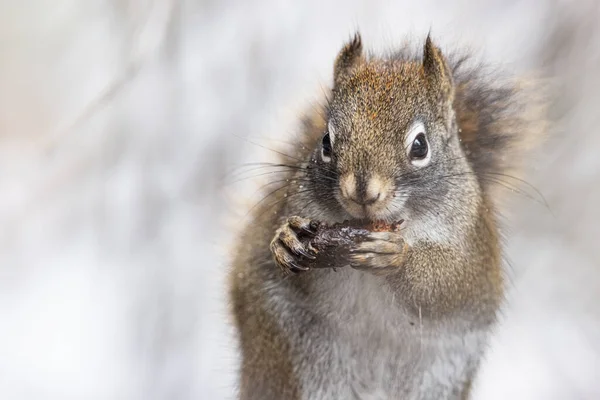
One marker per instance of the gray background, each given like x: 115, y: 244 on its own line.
x: 121, y: 119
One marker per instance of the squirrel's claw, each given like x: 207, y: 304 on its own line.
x: 289, y: 238
x: 380, y: 252
x: 303, y: 224
x: 286, y: 247
x: 286, y: 261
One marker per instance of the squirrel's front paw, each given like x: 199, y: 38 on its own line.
x: 287, y: 249
x: 381, y: 252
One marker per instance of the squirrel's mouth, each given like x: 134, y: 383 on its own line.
x: 388, y: 209
x: 388, y: 212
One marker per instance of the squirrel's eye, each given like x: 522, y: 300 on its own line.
x: 419, y: 148
x: 326, y: 148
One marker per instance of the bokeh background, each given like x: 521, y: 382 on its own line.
x: 120, y: 124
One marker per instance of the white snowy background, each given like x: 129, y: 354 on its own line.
x: 119, y: 122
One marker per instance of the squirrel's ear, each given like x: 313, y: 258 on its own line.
x: 348, y: 57
x: 437, y: 71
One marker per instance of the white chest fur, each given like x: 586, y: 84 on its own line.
x: 385, y: 352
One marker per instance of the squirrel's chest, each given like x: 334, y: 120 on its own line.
x: 393, y: 353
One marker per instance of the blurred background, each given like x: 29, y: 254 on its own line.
x: 120, y: 121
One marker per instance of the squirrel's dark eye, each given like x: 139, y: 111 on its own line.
x: 419, y: 148
x: 326, y: 148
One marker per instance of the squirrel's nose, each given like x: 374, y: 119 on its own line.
x: 365, y: 199
x: 362, y: 191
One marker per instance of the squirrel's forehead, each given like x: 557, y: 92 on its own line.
x: 386, y: 76
x: 373, y: 86
x: 378, y: 98
x: 377, y: 109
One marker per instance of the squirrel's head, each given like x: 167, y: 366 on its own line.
x: 391, y: 138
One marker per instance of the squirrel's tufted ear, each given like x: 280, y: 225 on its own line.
x: 348, y: 57
x: 437, y: 71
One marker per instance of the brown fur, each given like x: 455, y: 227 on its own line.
x: 460, y: 281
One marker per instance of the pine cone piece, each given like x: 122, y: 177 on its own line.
x: 332, y: 243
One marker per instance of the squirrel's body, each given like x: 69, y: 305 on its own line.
x: 411, y: 319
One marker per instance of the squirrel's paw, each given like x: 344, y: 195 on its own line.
x: 287, y: 248
x: 381, y: 252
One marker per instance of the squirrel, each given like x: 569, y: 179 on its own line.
x: 414, y: 136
